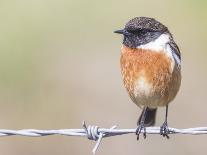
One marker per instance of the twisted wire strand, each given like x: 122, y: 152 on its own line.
x: 95, y: 133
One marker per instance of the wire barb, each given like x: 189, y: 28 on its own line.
x: 93, y: 134
x: 97, y: 134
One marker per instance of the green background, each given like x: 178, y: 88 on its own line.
x: 59, y: 65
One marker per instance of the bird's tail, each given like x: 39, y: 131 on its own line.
x: 150, y: 117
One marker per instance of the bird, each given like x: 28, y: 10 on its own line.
x: 151, y: 69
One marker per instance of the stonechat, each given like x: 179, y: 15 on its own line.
x: 151, y: 68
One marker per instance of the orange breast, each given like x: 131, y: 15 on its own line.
x: 148, y: 77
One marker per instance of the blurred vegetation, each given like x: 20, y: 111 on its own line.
x: 59, y: 64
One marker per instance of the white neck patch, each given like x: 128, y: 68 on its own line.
x: 161, y: 45
x: 158, y: 44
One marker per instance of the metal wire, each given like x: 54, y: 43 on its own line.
x: 95, y: 133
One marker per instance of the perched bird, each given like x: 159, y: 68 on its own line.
x: 151, y: 68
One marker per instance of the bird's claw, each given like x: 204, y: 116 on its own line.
x: 139, y: 130
x: 164, y: 131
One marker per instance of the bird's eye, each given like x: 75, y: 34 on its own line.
x: 140, y: 31
x: 144, y: 31
x: 136, y: 31
x: 131, y: 31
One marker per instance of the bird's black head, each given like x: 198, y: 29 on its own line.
x: 141, y: 30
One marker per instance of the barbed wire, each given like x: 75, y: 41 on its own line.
x: 95, y: 133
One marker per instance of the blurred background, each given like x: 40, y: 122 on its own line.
x: 59, y: 65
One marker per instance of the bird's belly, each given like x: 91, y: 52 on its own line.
x: 146, y: 94
x: 149, y: 78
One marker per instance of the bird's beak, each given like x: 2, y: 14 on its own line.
x: 123, y: 31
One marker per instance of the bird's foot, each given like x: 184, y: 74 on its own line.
x: 139, y: 129
x: 164, y: 131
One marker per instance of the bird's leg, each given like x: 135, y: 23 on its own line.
x: 141, y: 125
x: 164, y: 131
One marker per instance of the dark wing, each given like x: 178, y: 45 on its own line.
x: 176, y: 52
